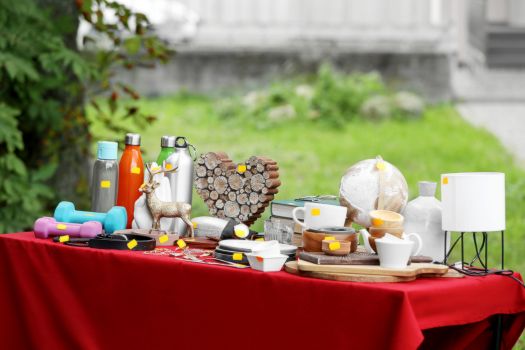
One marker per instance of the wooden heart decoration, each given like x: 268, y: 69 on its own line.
x: 238, y: 191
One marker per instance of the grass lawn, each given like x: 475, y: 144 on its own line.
x: 312, y: 157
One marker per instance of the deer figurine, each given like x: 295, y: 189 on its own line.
x: 160, y: 209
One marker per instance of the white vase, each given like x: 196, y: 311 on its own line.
x: 423, y: 216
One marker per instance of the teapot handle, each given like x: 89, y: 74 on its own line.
x: 415, y: 251
x: 366, y: 236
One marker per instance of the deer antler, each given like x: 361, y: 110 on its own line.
x: 158, y: 170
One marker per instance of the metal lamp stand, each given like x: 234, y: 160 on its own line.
x: 482, y: 251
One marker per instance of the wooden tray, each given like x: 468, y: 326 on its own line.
x: 413, y: 270
x: 292, y: 267
x: 357, y: 258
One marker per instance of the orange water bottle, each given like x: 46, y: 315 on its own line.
x: 131, y: 175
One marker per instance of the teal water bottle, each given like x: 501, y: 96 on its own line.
x: 167, y: 144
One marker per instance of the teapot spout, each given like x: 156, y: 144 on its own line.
x: 364, y: 233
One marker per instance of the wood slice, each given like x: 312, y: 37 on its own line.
x: 232, y: 196
x: 260, y: 167
x: 217, y: 171
x: 231, y: 209
x: 211, y: 160
x: 201, y: 183
x: 220, y: 184
x: 254, y: 198
x: 205, y: 194
x: 247, y: 188
x: 270, y: 175
x: 242, y: 198
x: 223, y: 197
x: 210, y: 203
x: 209, y: 172
x: 210, y: 187
x: 235, y: 182
x: 248, y: 175
x: 213, y: 211
x: 214, y: 195
x: 263, y: 198
x: 245, y: 210
x: 267, y: 190
x: 220, y: 214
x: 210, y: 180
x: 200, y: 160
x: 254, y: 208
x: 273, y: 183
x: 257, y: 182
x: 200, y: 170
x: 219, y: 204
x: 254, y: 171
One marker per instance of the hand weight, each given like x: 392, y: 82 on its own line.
x: 115, y: 219
x: 46, y: 227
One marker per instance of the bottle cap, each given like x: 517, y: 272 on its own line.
x: 107, y: 150
x: 132, y: 139
x: 167, y: 141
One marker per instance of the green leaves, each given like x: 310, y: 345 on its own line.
x: 17, y: 67
x: 133, y: 44
x: 10, y: 136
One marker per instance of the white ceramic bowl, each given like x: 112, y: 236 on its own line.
x: 269, y: 263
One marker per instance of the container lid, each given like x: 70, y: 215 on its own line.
x: 132, y: 139
x: 167, y: 141
x: 107, y: 150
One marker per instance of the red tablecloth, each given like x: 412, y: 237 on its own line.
x: 58, y: 297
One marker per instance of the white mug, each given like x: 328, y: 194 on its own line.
x: 395, y: 253
x: 318, y: 215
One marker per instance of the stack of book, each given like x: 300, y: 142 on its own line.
x: 281, y: 212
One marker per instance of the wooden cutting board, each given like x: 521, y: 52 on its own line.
x: 413, y: 270
x: 291, y: 267
x: 356, y: 258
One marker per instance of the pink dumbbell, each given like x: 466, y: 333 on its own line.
x: 46, y: 227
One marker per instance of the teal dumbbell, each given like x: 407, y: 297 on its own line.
x: 115, y: 219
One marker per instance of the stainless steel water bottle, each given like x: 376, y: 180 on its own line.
x: 181, y: 181
x: 104, y: 182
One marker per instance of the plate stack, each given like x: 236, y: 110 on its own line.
x: 234, y: 250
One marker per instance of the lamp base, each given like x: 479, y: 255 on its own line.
x: 481, y: 251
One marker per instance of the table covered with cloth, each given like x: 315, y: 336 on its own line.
x: 54, y: 296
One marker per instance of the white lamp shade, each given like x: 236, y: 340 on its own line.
x: 473, y: 202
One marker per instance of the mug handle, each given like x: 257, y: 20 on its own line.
x: 294, y: 216
x: 419, y: 243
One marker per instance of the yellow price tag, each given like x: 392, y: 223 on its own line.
x: 315, y: 212
x: 163, y: 238
x: 241, y: 168
x: 181, y: 244
x: 240, y: 233
x: 132, y: 244
x: 61, y: 227
x: 381, y: 165
x: 329, y: 238
x: 237, y: 256
x: 105, y: 184
x: 63, y: 239
x: 377, y: 222
x: 445, y: 180
x: 135, y: 170
x: 334, y: 245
